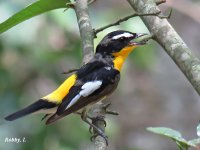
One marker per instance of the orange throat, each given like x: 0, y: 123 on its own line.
x: 121, y: 56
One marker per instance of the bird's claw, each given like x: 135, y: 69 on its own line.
x: 108, y: 111
x: 112, y: 112
x: 97, y: 131
x: 94, y: 120
x: 105, y: 106
x: 99, y: 118
x: 93, y: 137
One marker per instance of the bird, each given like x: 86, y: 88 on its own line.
x: 89, y: 84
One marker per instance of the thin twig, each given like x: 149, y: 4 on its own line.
x: 146, y: 38
x: 69, y: 71
x: 71, y: 4
x: 91, y: 1
x: 193, y: 10
x: 158, y: 2
x: 96, y: 31
x: 168, y: 16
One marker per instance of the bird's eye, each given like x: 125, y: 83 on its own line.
x: 122, y: 38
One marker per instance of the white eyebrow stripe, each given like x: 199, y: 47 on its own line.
x: 126, y: 34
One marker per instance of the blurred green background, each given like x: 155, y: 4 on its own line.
x: 152, y: 90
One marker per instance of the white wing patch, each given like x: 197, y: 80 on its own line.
x: 87, y: 89
x: 126, y: 34
x: 73, y: 101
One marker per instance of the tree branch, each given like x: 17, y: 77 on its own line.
x: 98, y: 111
x: 167, y: 37
x: 87, y: 37
x: 85, y: 28
x: 136, y: 14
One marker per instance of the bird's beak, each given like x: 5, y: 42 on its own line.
x: 139, y: 39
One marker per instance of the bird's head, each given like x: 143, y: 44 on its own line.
x: 119, y: 44
x: 119, y: 41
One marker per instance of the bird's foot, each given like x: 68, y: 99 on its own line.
x: 94, y: 129
x: 95, y: 120
x: 100, y: 121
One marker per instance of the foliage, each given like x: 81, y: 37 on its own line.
x: 34, y: 9
x: 176, y: 136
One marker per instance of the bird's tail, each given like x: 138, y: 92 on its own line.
x: 37, y: 106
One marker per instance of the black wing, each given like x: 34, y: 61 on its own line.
x: 86, y: 73
x: 99, y: 83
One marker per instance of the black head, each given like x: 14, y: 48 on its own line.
x: 115, y: 41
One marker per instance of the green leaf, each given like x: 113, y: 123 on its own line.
x: 194, y: 141
x: 173, y: 134
x: 34, y: 9
x: 167, y: 132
